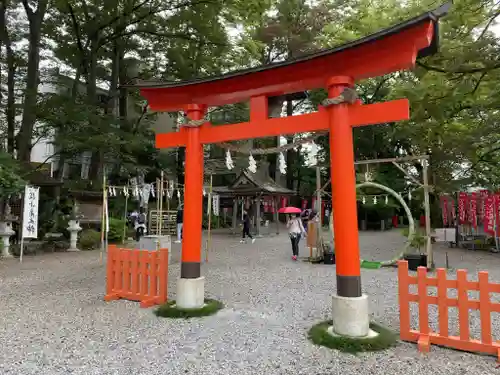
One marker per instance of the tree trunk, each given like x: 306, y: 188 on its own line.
x: 91, y: 81
x: 123, y: 79
x: 10, y: 109
x: 35, y: 19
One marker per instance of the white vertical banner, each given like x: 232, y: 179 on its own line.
x: 215, y: 204
x: 30, y: 212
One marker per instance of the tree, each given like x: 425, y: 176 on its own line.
x: 35, y: 26
x: 10, y: 180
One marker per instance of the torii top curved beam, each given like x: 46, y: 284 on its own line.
x: 392, y: 49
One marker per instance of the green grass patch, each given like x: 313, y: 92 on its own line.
x: 319, y: 335
x: 169, y: 310
x: 370, y: 265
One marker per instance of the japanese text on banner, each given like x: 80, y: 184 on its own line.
x: 462, y: 207
x: 473, y: 210
x: 30, y: 212
x: 215, y: 205
x: 488, y: 220
x: 444, y: 210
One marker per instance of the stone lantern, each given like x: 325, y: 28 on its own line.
x: 6, y: 230
x: 74, y: 228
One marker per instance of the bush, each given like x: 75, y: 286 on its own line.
x: 89, y: 239
x: 115, y: 233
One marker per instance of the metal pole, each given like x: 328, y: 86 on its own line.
x: 430, y: 261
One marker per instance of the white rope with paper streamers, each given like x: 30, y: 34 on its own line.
x: 282, y: 163
x: 229, y: 160
x: 375, y: 200
x: 137, y: 191
x: 252, y: 164
x: 171, y: 188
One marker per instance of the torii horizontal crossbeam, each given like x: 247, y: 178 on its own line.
x: 359, y: 115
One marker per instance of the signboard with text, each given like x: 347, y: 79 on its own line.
x: 30, y: 212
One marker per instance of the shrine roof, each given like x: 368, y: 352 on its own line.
x: 247, y: 183
x: 39, y: 176
x: 417, y: 36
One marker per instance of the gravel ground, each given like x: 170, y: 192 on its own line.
x: 54, y: 320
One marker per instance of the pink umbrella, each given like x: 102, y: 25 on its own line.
x: 289, y: 210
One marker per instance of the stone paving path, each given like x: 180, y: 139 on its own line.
x: 54, y: 320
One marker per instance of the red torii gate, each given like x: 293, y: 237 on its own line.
x: 387, y: 51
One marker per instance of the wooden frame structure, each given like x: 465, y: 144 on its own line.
x: 389, y: 50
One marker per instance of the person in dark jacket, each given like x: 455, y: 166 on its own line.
x: 246, y: 228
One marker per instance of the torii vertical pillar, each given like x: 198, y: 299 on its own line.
x: 191, y: 285
x: 350, y: 306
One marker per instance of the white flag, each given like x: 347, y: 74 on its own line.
x: 30, y: 212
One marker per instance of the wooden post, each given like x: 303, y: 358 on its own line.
x: 193, y: 193
x: 428, y: 244
x: 257, y: 214
x: 319, y: 227
x: 158, y: 198
x: 318, y: 195
x: 344, y: 194
x: 276, y: 215
x: 125, y: 216
x: 160, y: 219
x: 103, y: 217
x: 209, y: 213
x: 235, y: 214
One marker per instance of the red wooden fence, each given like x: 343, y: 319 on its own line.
x: 137, y: 275
x: 424, y: 336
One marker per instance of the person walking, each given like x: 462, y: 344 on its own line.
x: 180, y: 223
x: 295, y: 231
x: 246, y: 228
x: 140, y: 224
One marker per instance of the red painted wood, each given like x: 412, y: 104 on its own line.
x: 360, y: 115
x: 388, y: 54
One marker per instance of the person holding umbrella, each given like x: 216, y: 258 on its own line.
x: 295, y: 228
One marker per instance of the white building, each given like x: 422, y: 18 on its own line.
x: 43, y: 149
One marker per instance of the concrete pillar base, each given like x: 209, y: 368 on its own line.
x: 190, y: 293
x: 351, y: 316
x: 371, y: 334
